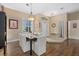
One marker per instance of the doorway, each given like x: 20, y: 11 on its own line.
x: 44, y: 27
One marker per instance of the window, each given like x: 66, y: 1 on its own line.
x: 26, y: 25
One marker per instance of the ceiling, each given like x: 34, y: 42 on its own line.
x: 48, y: 9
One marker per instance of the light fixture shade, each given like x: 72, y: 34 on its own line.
x: 31, y: 18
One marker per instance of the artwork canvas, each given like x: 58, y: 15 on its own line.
x: 13, y: 24
x: 74, y: 25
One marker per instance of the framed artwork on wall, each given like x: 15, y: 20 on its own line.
x: 13, y: 24
x: 74, y: 25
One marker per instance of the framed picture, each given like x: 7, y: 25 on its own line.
x: 74, y: 25
x: 13, y: 24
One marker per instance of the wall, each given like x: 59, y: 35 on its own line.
x: 13, y: 34
x: 73, y: 15
x: 56, y: 19
x: 36, y: 23
x: 73, y: 18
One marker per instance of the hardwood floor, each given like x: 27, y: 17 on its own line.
x: 2, y: 52
x: 67, y: 48
x: 13, y: 49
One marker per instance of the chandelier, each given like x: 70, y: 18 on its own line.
x: 30, y: 17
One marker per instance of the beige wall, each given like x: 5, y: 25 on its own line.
x: 12, y: 34
x: 36, y: 23
x: 73, y: 15
x: 57, y: 19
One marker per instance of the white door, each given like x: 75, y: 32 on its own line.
x: 44, y: 28
x: 61, y: 28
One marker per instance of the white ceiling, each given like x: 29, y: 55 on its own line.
x: 47, y: 9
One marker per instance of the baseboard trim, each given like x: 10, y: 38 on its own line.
x: 76, y: 38
x: 12, y: 40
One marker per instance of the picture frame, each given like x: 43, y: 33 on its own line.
x: 74, y: 25
x: 13, y: 24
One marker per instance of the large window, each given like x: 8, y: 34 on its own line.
x: 26, y: 25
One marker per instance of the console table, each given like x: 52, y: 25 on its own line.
x: 31, y: 39
x: 38, y: 44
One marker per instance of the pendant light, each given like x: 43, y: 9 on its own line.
x: 30, y: 17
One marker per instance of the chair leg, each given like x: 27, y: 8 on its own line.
x: 5, y: 49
